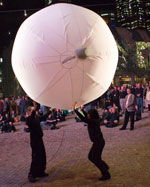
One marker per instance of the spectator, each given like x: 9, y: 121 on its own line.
x: 52, y: 119
x: 105, y: 115
x: 1, y: 120
x: 112, y: 120
x: 23, y: 107
x: 139, y: 97
x: 115, y: 97
x: 130, y: 109
x: 60, y: 115
x: 13, y: 105
x: 123, y: 94
x: 138, y: 114
x: 6, y: 108
x: 147, y: 98
x: 77, y: 117
x: 1, y: 106
x: 18, y: 105
x: 108, y: 103
x: 7, y: 125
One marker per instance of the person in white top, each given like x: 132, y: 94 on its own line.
x: 147, y: 98
x: 130, y: 110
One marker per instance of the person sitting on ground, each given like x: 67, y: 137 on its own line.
x: 7, y: 125
x: 60, y: 115
x: 52, y: 119
x: 112, y: 119
x: 108, y: 103
x: 105, y: 115
x: 138, y: 114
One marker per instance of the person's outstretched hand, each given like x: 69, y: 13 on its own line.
x: 82, y: 107
x: 75, y: 106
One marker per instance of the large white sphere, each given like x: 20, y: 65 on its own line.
x: 48, y: 56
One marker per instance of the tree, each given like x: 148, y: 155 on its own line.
x: 128, y: 62
x: 11, y: 85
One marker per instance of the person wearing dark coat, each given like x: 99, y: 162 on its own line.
x: 7, y: 124
x: 38, y: 164
x: 96, y: 136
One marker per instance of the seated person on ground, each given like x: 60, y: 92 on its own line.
x: 7, y: 124
x: 112, y: 119
x: 52, y: 119
x: 60, y: 115
x: 105, y: 115
x: 108, y: 103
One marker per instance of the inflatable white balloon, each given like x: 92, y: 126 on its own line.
x: 64, y: 53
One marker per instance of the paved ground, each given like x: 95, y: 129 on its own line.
x: 127, y: 153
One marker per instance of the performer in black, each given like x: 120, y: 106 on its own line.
x: 38, y: 164
x: 93, y: 120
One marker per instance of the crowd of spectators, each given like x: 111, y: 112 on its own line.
x: 112, y: 102
x: 14, y: 110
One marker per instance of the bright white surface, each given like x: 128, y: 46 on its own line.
x: 44, y: 56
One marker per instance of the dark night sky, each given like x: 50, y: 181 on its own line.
x: 11, y: 20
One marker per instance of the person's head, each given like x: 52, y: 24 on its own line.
x: 6, y: 99
x: 29, y: 110
x: 138, y: 85
x: 37, y: 113
x: 6, y: 115
x: 105, y: 110
x: 122, y: 88
x: 93, y: 114
x: 129, y: 91
x: 119, y: 88
x: 40, y: 111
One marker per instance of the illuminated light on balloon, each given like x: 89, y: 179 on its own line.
x: 64, y: 54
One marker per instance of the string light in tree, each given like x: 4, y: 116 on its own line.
x: 1, y: 3
x: 25, y: 13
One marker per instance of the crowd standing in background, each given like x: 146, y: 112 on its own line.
x: 116, y: 103
x: 113, y: 103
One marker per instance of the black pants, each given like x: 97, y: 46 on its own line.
x: 95, y: 157
x: 38, y: 164
x: 126, y: 119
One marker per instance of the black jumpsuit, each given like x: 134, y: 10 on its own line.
x: 38, y: 164
x: 96, y: 137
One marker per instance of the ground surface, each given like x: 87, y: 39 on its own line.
x: 127, y: 153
